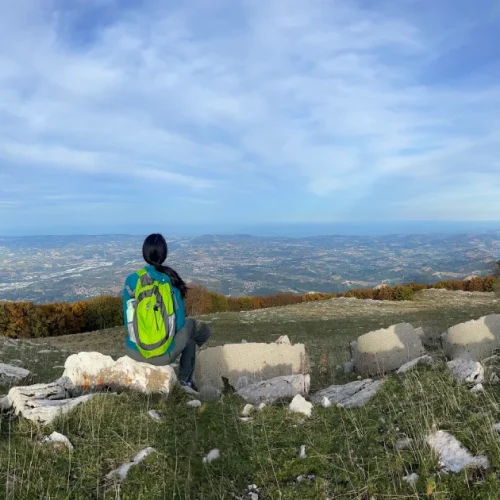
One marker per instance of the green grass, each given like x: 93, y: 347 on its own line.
x: 350, y: 452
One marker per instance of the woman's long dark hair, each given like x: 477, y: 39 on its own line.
x: 154, y: 251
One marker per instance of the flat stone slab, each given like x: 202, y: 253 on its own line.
x: 276, y: 388
x: 386, y: 350
x: 453, y: 457
x: 350, y: 395
x: 475, y: 339
x: 422, y: 360
x: 10, y: 372
x: 248, y: 363
x: 43, y: 403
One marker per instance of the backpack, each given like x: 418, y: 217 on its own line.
x: 154, y: 315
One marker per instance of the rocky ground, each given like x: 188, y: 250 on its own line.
x: 388, y: 448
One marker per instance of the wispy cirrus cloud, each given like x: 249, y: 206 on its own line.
x: 337, y: 105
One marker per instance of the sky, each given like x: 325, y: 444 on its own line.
x: 119, y: 116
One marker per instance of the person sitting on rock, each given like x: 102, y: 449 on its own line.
x: 154, y: 314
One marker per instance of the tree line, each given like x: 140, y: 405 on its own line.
x: 29, y: 320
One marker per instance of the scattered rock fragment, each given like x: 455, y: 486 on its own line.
x: 59, y: 439
x: 246, y: 419
x: 45, y: 351
x: 326, y: 403
x: 12, y: 373
x: 411, y: 479
x: 283, y: 340
x: 403, y: 443
x: 300, y: 405
x: 212, y: 455
x: 453, y: 457
x: 261, y: 406
x: 349, y: 395
x: 247, y: 410
x: 121, y: 472
x: 477, y: 389
x: 195, y: 403
x: 302, y: 452
x: 466, y: 370
x: 154, y: 415
x: 496, y: 427
x: 275, y: 388
x: 422, y: 360
x: 305, y: 477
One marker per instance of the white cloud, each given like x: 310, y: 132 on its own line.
x: 329, y: 97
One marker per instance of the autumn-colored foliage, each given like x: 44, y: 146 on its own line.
x: 25, y: 319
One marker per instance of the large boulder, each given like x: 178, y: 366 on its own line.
x: 387, y: 349
x: 475, y: 339
x: 92, y: 370
x: 244, y: 364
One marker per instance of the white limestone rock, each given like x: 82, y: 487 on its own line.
x: 387, y: 349
x: 247, y: 410
x: 477, y: 389
x: 466, y: 370
x: 300, y: 405
x: 58, y: 439
x: 403, y: 443
x: 475, y: 339
x: 12, y: 373
x: 211, y: 456
x: 326, y: 403
x: 93, y: 370
x: 283, y: 340
x: 275, y: 388
x: 195, y: 403
x: 422, y: 360
x: 453, y: 457
x: 411, y: 479
x: 256, y: 361
x: 43, y: 403
x: 121, y: 472
x: 349, y: 395
x: 155, y: 415
x: 302, y: 452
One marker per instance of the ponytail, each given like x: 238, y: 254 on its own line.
x: 175, y: 279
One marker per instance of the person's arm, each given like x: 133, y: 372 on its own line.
x: 180, y: 312
x: 128, y: 293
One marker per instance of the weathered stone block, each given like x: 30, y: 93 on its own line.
x: 475, y: 339
x: 387, y: 349
x: 244, y: 364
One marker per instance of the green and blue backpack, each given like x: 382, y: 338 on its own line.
x: 154, y: 315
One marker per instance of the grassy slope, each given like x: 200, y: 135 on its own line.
x: 350, y: 452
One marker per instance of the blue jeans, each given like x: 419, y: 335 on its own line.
x: 186, y: 340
